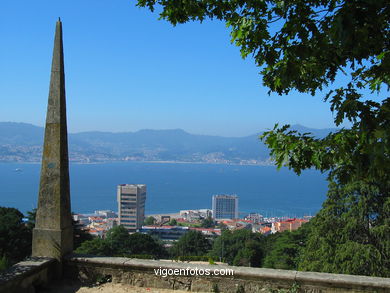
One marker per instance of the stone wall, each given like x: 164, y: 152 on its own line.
x: 142, y: 273
x: 28, y: 276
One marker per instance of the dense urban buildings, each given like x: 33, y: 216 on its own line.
x: 225, y: 206
x: 131, y: 205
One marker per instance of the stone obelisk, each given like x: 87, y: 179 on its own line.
x: 53, y: 232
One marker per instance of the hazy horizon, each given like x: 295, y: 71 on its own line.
x: 125, y: 70
x: 169, y: 129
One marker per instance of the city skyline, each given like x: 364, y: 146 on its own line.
x: 167, y: 77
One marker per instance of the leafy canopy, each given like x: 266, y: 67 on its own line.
x: 239, y: 247
x: 305, y: 45
x: 340, y: 50
x: 118, y: 242
x: 283, y: 250
x: 192, y: 243
x: 207, y: 222
x: 150, y: 221
x: 15, y: 236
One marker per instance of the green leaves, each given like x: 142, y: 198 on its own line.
x: 296, y: 151
x: 193, y: 243
x: 361, y: 243
x: 118, y: 242
x: 286, y: 249
x: 305, y: 46
x: 239, y: 247
x: 15, y: 237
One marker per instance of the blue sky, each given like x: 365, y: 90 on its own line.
x: 126, y: 70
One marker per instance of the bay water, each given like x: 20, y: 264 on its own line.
x: 173, y: 186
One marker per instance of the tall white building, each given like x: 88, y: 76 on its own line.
x: 225, y: 206
x: 131, y: 205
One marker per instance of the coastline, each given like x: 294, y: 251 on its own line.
x: 264, y: 164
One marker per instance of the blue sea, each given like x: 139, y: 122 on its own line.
x: 173, y: 187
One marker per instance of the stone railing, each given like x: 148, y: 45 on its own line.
x: 210, y: 278
x: 28, y: 276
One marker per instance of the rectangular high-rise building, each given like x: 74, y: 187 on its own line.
x: 225, y: 206
x: 131, y: 205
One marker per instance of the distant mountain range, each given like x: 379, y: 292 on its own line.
x: 22, y: 142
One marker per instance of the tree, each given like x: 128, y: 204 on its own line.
x: 284, y: 250
x: 239, y: 247
x: 339, y: 49
x: 31, y: 219
x: 172, y: 222
x: 15, y: 237
x: 80, y: 235
x: 118, y: 239
x: 119, y: 242
x: 208, y: 222
x: 96, y: 246
x: 150, y: 221
x: 192, y: 243
x: 250, y: 255
x: 3, y: 263
x: 144, y: 244
x: 360, y: 244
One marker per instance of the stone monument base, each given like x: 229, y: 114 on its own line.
x: 52, y: 243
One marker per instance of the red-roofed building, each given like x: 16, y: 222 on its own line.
x: 288, y: 225
x: 265, y: 230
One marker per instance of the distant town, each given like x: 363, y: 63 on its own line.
x: 169, y: 227
x: 22, y: 142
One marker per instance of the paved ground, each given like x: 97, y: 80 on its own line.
x: 73, y: 287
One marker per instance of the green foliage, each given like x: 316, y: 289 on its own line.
x: 284, y: 249
x: 251, y: 255
x: 191, y: 243
x: 239, y: 247
x: 31, y: 219
x: 150, y: 221
x: 306, y: 46
x: 211, y: 260
x: 4, y: 263
x: 119, y: 242
x: 15, y: 237
x: 208, y: 222
x: 172, y: 222
x: 361, y: 242
x: 118, y: 238
x: 96, y: 246
x: 317, y: 40
x: 80, y: 235
x: 240, y: 289
x: 145, y: 244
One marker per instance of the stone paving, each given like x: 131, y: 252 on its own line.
x: 74, y: 287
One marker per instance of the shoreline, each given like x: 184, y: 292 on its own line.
x: 149, y: 162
